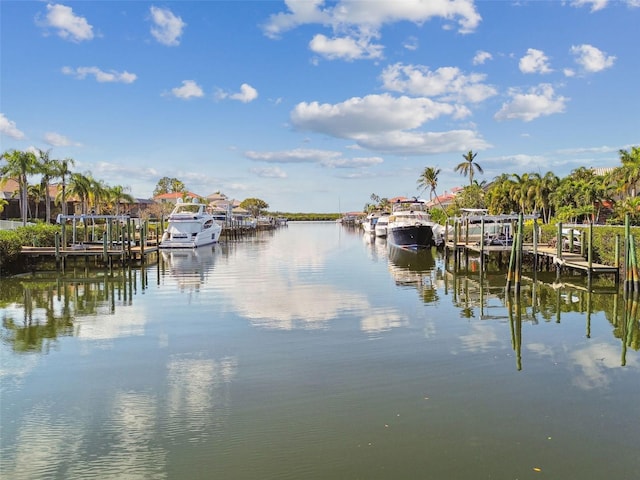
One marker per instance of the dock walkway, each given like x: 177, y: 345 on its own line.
x: 567, y: 260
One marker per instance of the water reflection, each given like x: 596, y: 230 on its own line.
x: 190, y: 268
x: 484, y: 298
x: 417, y: 269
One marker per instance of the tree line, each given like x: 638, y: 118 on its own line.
x: 582, y: 195
x: 92, y: 194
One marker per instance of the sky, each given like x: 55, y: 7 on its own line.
x: 314, y: 106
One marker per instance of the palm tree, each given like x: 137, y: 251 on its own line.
x: 98, y: 193
x: 47, y: 168
x: 19, y: 166
x: 80, y: 186
x: 37, y: 192
x: 630, y: 169
x: 429, y: 179
x: 62, y: 171
x: 468, y: 167
x: 544, y: 187
x: 117, y: 195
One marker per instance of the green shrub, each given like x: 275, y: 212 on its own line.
x: 10, y: 247
x: 41, y: 235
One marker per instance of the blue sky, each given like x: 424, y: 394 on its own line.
x: 313, y: 106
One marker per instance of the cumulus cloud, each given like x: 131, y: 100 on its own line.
x: 594, y: 4
x: 57, y: 140
x: 167, y: 28
x: 423, y: 143
x: 447, y: 82
x: 68, y: 25
x: 387, y: 124
x: 246, y: 94
x: 591, y: 59
x: 298, y: 155
x: 346, y: 48
x: 269, y: 172
x: 538, y: 101
x: 535, y: 61
x: 100, y: 75
x: 370, y: 114
x: 8, y: 128
x: 326, y: 158
x: 189, y: 89
x: 481, y: 57
x: 355, y: 23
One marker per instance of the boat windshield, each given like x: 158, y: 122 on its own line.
x: 186, y: 208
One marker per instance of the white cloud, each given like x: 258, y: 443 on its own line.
x: 370, y: 114
x: 591, y: 59
x: 595, y: 4
x: 423, y: 143
x: 298, y: 155
x: 535, y: 61
x: 189, y: 89
x: 69, y: 26
x: 100, y: 75
x: 357, y: 162
x: 269, y: 172
x: 346, y: 48
x: 411, y: 43
x: 8, y: 128
x: 447, y: 82
x: 247, y: 94
x: 538, y: 101
x: 326, y: 158
x: 364, y: 19
x: 167, y: 27
x: 387, y: 124
x: 481, y: 57
x: 600, y: 4
x: 57, y: 140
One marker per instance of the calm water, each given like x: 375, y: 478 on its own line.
x: 314, y: 353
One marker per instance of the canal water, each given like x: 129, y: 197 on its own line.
x: 312, y: 352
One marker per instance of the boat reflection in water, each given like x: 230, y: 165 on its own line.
x: 190, y: 267
x: 411, y: 268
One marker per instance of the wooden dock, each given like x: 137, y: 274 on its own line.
x: 96, y: 253
x: 542, y: 255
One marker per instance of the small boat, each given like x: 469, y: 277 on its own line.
x: 369, y: 223
x: 410, y: 226
x: 190, y: 225
x: 381, y: 225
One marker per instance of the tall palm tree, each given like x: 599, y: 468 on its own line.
x: 98, y: 193
x: 47, y: 168
x: 469, y: 166
x: 429, y: 179
x: 544, y: 187
x: 117, y: 195
x: 62, y: 171
x: 36, y: 192
x: 630, y: 170
x: 80, y: 186
x: 19, y: 166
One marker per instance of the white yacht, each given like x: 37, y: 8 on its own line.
x: 410, y: 226
x: 381, y: 225
x: 190, y: 225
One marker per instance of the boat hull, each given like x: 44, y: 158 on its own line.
x: 174, y: 238
x: 411, y: 237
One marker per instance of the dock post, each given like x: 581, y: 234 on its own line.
x: 535, y: 244
x: 510, y: 269
x: 481, y: 244
x: 57, y: 246
x: 518, y: 266
x: 105, y: 251
x: 559, y: 249
x: 590, y: 252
